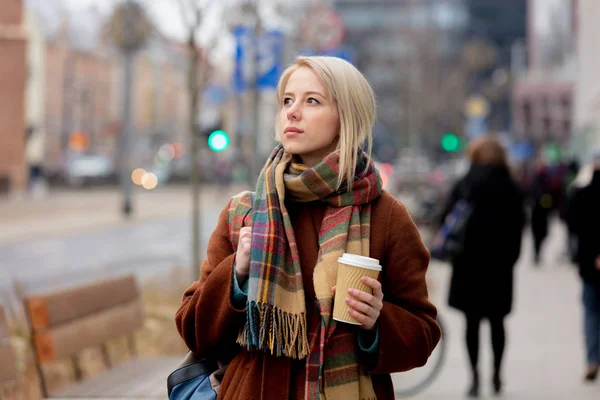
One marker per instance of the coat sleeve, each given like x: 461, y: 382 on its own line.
x: 573, y: 213
x: 207, y: 320
x: 517, y: 218
x: 408, y: 331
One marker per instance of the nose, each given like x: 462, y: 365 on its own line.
x: 294, y: 113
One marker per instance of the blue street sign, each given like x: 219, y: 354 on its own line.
x: 269, y: 56
x: 242, y: 72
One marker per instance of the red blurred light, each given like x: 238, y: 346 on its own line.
x: 387, y: 169
x: 179, y: 149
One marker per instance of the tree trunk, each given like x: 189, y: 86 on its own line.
x: 195, y: 142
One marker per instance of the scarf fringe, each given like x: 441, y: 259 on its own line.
x: 269, y: 328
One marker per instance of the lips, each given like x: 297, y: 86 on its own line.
x: 292, y: 130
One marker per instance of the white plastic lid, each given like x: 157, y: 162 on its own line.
x: 360, y: 261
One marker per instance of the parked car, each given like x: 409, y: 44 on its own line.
x: 84, y: 169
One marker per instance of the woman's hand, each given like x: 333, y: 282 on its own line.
x: 365, y: 307
x: 242, y: 257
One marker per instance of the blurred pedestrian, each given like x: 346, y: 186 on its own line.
x: 34, y: 154
x: 571, y: 174
x: 482, y: 272
x: 274, y: 295
x: 584, y: 219
x: 541, y: 201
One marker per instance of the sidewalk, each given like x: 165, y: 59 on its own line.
x: 544, y: 356
x: 74, y: 211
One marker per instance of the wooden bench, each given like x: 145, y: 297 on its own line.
x: 8, y: 362
x: 65, y: 322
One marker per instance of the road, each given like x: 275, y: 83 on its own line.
x: 161, y: 242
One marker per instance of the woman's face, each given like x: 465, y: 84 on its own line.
x: 308, y: 122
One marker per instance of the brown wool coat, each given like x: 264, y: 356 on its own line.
x: 408, y: 333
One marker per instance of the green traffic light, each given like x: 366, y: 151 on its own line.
x: 450, y: 143
x: 218, y: 141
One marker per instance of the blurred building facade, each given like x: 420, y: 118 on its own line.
x: 78, y: 98
x: 13, y: 75
x: 544, y: 90
x: 503, y: 24
x: 83, y: 87
x: 402, y: 47
x: 160, y: 97
x: 416, y: 54
x: 587, y: 86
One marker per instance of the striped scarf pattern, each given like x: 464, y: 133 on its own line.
x: 276, y: 310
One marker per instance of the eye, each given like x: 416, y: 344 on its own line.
x: 287, y: 101
x: 312, y: 100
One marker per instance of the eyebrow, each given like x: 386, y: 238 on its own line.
x: 307, y: 93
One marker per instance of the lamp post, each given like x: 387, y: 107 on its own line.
x: 129, y: 28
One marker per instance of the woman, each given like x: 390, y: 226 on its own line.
x: 583, y: 220
x: 273, y: 293
x: 482, y: 276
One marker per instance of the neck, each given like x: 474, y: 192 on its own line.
x: 309, y: 161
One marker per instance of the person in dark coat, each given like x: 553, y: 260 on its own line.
x: 541, y: 205
x: 583, y: 218
x: 482, y: 276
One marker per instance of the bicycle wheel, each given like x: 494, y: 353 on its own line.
x: 415, y: 381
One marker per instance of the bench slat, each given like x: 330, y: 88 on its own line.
x: 8, y: 362
x: 93, y: 330
x: 141, y: 378
x: 55, y: 308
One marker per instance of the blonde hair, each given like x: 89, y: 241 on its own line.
x: 487, y: 150
x: 355, y: 101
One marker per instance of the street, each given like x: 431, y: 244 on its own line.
x: 76, y: 236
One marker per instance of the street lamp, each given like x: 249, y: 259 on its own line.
x: 129, y: 28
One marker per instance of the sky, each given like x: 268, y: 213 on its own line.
x: 165, y: 13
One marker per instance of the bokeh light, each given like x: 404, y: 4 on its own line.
x: 384, y: 180
x: 137, y: 175
x: 179, y: 149
x: 166, y: 152
x: 387, y: 169
x: 159, y: 161
x: 149, y: 181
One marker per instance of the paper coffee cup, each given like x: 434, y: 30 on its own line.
x: 351, y: 269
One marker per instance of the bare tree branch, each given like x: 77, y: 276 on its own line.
x: 186, y: 8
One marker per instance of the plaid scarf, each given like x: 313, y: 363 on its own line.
x: 276, y: 310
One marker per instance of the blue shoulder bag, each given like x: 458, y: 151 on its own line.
x: 191, y: 381
x: 449, y: 241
